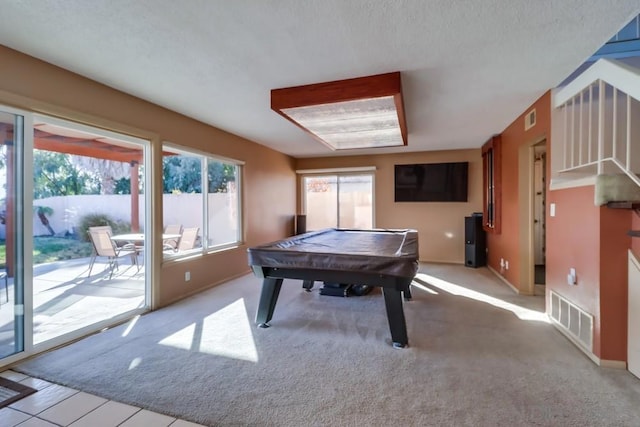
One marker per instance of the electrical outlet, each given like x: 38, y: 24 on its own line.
x: 187, y: 276
x: 506, y: 265
x: 501, y: 262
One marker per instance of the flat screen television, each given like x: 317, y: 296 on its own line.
x: 431, y: 182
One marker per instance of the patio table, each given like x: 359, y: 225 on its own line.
x: 139, y: 237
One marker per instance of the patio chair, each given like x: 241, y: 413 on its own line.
x: 106, y: 228
x: 5, y: 277
x: 105, y: 247
x: 172, y: 244
x: 188, y: 239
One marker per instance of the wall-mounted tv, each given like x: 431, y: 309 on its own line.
x: 431, y: 182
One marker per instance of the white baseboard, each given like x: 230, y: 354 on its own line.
x: 604, y: 363
x: 501, y: 277
x: 614, y: 364
x: 595, y: 359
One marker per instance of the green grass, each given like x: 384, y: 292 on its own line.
x: 49, y: 249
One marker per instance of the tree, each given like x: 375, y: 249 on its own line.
x: 54, y: 174
x: 106, y: 172
x: 62, y: 174
x: 122, y: 186
x: 182, y: 174
x: 43, y: 212
x: 219, y: 176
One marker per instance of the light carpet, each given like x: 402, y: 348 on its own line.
x: 479, y: 355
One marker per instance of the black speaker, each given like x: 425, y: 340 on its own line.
x: 470, y: 226
x: 475, y: 252
x: 301, y: 224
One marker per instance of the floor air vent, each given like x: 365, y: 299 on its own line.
x: 574, y: 321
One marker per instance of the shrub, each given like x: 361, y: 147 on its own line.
x: 96, y: 220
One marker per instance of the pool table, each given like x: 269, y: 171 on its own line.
x: 387, y: 258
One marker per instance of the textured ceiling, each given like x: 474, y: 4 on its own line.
x: 468, y: 67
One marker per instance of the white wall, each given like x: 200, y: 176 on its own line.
x: 184, y: 209
x: 69, y: 210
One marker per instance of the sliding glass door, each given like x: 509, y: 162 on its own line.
x: 12, y: 319
x: 59, y: 180
x: 88, y: 228
x: 338, y: 200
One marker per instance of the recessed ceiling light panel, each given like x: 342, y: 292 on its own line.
x: 365, y: 112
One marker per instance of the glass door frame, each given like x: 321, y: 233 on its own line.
x: 23, y: 247
x: 338, y: 172
x: 23, y: 281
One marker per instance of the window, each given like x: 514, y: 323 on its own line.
x: 491, y: 184
x: 338, y: 200
x: 222, y: 203
x: 185, y: 206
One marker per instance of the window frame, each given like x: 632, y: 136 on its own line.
x: 205, y: 185
x: 492, y: 185
x: 368, y: 171
x: 205, y: 248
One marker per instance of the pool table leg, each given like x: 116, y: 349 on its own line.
x: 307, y: 285
x: 407, y: 292
x: 268, y: 298
x: 395, y: 315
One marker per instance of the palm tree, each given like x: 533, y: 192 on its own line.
x: 42, y: 212
x: 108, y: 171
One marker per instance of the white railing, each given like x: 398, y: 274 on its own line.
x: 596, y: 123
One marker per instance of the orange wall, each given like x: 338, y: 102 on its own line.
x: 614, y: 244
x: 507, y: 244
x: 594, y: 241
x: 440, y: 225
x: 591, y: 239
x: 269, y: 185
x: 635, y: 242
x: 573, y: 241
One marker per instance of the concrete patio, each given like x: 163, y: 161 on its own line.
x: 66, y: 299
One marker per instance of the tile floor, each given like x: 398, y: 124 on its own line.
x: 55, y: 405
